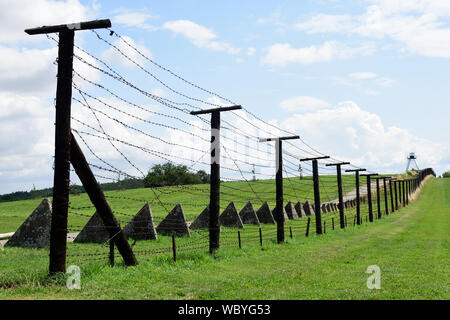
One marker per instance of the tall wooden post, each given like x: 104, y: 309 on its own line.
x: 340, y: 194
x: 214, y: 195
x: 404, y: 192
x: 61, y: 178
x: 385, y: 196
x: 392, y: 195
x: 378, y: 198
x: 407, y: 190
x: 395, y: 194
x: 279, y: 216
x: 317, y: 210
x: 358, y: 208
x: 369, y: 194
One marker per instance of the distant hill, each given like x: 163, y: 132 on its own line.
x: 74, y: 189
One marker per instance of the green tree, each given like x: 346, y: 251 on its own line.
x: 446, y: 174
x: 169, y: 174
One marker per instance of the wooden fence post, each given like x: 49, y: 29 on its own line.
x: 174, y: 248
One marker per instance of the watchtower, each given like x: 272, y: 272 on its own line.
x: 411, y: 158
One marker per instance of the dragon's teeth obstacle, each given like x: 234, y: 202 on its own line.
x: 141, y: 227
x: 35, y: 231
x: 290, y: 211
x: 202, y: 221
x: 264, y: 214
x: 93, y: 231
x: 174, y: 223
x: 230, y: 217
x: 248, y: 215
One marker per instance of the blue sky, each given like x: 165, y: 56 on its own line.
x: 365, y: 81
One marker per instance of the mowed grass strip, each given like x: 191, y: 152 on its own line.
x: 411, y: 247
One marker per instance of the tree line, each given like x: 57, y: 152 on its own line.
x: 159, y: 175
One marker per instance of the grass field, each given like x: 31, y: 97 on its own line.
x: 194, y: 199
x: 411, y: 247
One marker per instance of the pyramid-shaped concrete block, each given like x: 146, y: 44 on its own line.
x: 174, y: 223
x: 300, y: 210
x: 94, y: 231
x: 202, y: 221
x: 290, y: 211
x: 285, y: 216
x: 35, y: 231
x: 323, y: 208
x: 329, y: 207
x: 248, y: 215
x: 141, y: 227
x: 308, y: 208
x: 230, y: 217
x: 264, y: 214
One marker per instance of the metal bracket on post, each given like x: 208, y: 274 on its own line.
x: 316, y: 191
x: 214, y: 199
x: 340, y: 194
x: 358, y: 208
x: 279, y: 217
x: 369, y: 194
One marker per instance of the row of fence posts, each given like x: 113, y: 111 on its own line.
x: 399, y: 190
x: 67, y: 151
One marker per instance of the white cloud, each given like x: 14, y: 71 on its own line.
x: 353, y: 134
x: 158, y: 92
x: 364, y: 79
x: 251, y: 51
x: 18, y: 15
x: 421, y: 26
x: 199, y: 35
x: 27, y: 70
x: 281, y: 54
x: 325, y: 23
x: 362, y: 75
x: 303, y: 103
x: 27, y: 88
x: 114, y: 56
x: 134, y: 19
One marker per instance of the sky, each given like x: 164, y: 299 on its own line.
x: 364, y: 81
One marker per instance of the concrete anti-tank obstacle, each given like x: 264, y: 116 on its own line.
x: 285, y: 216
x: 290, y: 211
x: 141, y: 227
x: 308, y: 209
x: 94, y: 231
x: 174, y: 223
x: 300, y: 211
x: 323, y: 208
x: 202, y: 221
x: 230, y: 217
x: 264, y: 214
x: 35, y: 231
x: 248, y: 215
x: 329, y: 207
